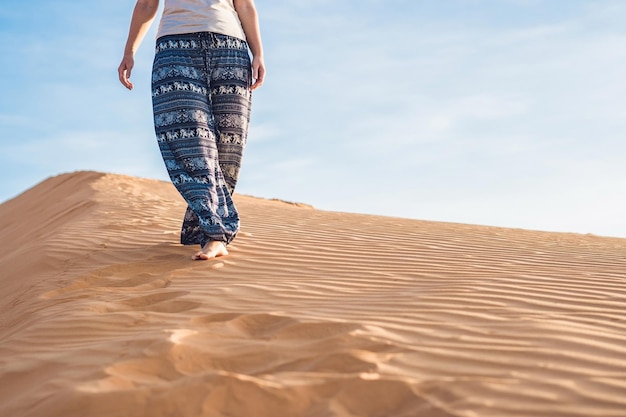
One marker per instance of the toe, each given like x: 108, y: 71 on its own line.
x: 200, y: 256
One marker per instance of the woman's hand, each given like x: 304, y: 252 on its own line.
x: 258, y: 72
x: 124, y: 71
x: 246, y: 10
x: 143, y: 15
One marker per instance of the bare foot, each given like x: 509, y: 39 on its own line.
x: 212, y: 249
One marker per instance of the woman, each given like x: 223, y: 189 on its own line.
x: 202, y: 78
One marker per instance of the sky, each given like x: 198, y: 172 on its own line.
x: 493, y: 112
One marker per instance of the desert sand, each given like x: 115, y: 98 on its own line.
x: 312, y: 314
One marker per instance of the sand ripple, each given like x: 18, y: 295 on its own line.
x: 313, y: 314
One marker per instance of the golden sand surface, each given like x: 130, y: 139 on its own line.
x: 313, y: 313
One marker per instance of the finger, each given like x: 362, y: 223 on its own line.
x: 120, y: 74
x: 129, y: 84
x: 124, y: 74
x: 258, y: 81
x: 261, y: 76
x: 253, y: 78
x: 125, y: 81
x: 255, y: 72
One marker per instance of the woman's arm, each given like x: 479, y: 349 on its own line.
x: 143, y: 15
x: 250, y: 23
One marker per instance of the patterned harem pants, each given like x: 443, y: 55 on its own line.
x: 201, y: 102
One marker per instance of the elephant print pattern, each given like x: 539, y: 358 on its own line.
x: 201, y: 100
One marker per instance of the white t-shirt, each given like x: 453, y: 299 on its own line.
x: 189, y: 16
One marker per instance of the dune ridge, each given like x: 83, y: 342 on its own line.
x: 313, y: 314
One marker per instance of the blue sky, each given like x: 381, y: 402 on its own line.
x: 495, y: 112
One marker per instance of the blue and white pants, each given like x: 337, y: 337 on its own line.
x: 201, y: 101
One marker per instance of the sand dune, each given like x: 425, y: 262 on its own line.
x: 313, y: 314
